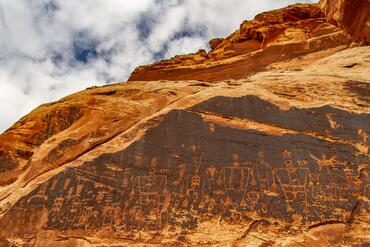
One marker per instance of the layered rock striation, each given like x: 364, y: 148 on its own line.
x: 263, y: 141
x: 272, y: 37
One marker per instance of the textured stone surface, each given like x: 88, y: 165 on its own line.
x: 351, y: 15
x: 272, y: 37
x: 279, y: 158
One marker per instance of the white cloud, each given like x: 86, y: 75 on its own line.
x: 51, y: 48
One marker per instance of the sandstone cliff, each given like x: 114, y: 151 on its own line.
x: 271, y: 37
x: 263, y: 141
x: 351, y: 15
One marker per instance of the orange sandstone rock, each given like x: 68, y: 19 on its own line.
x: 272, y: 37
x: 353, y: 16
x: 271, y: 148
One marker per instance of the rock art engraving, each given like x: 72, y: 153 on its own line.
x: 156, y: 182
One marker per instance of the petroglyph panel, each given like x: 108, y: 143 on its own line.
x: 187, y: 169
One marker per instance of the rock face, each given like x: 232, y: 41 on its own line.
x: 263, y: 141
x: 351, y: 15
x: 276, y: 36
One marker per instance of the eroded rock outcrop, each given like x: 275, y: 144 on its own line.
x: 275, y: 36
x: 353, y: 16
x: 278, y: 157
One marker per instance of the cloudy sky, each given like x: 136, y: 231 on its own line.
x: 51, y: 48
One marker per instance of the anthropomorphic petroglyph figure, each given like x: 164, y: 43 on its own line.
x: 41, y: 193
x: 211, y: 171
x: 153, y: 167
x: 165, y: 204
x: 150, y: 190
x: 264, y: 174
x: 42, y: 190
x: 75, y: 207
x: 288, y: 162
x: 87, y: 212
x: 196, y: 179
x: 70, y: 193
x: 108, y: 199
x: 235, y: 177
x: 128, y: 178
x: 179, y: 184
x: 107, y: 215
x: 235, y: 160
x: 80, y: 186
x: 57, y: 205
x: 99, y: 197
x: 294, y: 182
x: 315, y: 187
x: 213, y: 183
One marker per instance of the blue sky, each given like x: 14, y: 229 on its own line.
x: 51, y: 48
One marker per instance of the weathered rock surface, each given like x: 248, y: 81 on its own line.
x: 353, y: 16
x: 276, y: 157
x: 275, y: 36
